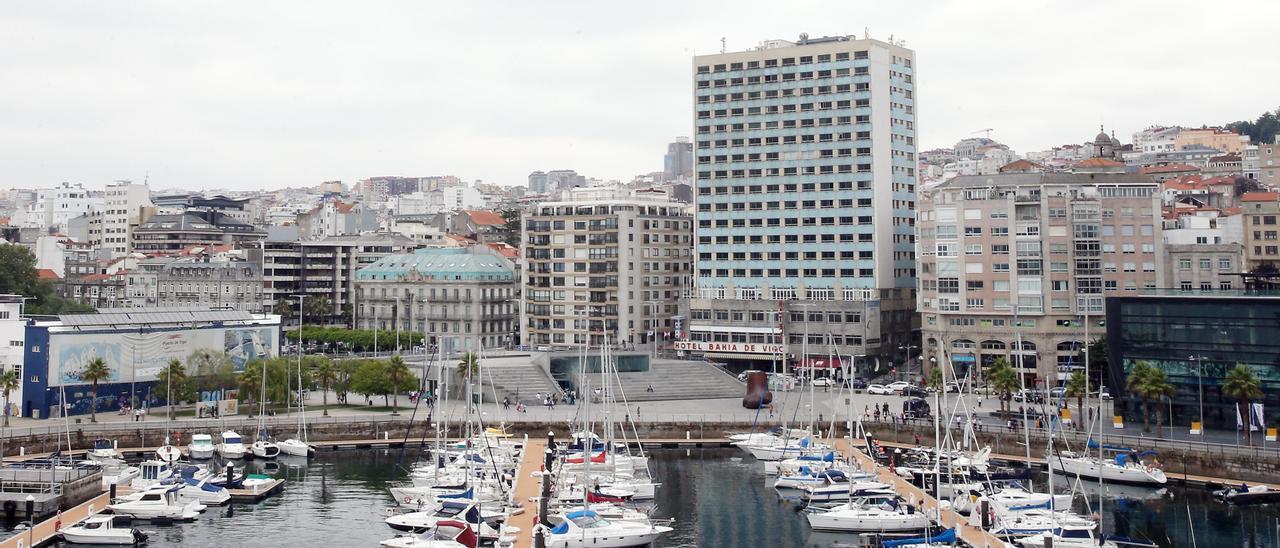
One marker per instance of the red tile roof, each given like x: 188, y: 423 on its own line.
x: 343, y: 207
x: 1260, y: 197
x: 95, y: 277
x: 1020, y: 166
x: 504, y: 249
x: 47, y: 274
x: 486, y: 218
x: 1098, y: 162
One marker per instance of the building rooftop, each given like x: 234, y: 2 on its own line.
x: 485, y: 218
x: 1042, y: 179
x: 1260, y: 197
x: 440, y: 264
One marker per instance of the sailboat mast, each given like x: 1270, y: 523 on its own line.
x: 1022, y: 383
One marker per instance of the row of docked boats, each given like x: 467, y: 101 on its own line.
x: 599, y: 491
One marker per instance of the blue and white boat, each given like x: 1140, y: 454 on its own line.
x: 587, y: 529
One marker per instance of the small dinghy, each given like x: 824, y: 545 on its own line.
x: 1244, y: 494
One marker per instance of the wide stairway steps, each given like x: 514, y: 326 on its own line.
x: 680, y: 380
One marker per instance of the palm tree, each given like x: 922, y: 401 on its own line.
x: 1243, y: 385
x: 935, y: 378
x: 326, y: 374
x: 397, y: 373
x: 250, y: 381
x: 1004, y: 380
x: 172, y: 378
x: 1148, y: 383
x: 317, y: 308
x: 1160, y: 388
x: 94, y: 372
x: 9, y: 382
x: 469, y: 365
x: 1078, y: 388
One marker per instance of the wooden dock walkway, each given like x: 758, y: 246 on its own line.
x: 48, y: 529
x: 527, y: 490
x: 973, y: 536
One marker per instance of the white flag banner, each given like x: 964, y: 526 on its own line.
x: 1257, y: 422
x: 877, y: 364
x: 1239, y: 421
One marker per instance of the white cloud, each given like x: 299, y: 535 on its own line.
x: 260, y: 95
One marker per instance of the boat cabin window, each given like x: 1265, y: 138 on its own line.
x: 153, y: 496
x: 93, y: 525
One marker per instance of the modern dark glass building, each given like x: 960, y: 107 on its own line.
x: 1196, y: 337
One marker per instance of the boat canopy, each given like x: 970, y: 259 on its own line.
x: 469, y: 493
x: 829, y: 457
x: 102, y: 444
x: 945, y: 537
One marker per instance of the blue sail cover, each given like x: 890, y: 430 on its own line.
x: 469, y: 493
x: 944, y: 537
x: 1094, y: 445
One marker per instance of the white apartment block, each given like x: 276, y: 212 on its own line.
x: 55, y: 206
x: 13, y: 338
x: 122, y: 212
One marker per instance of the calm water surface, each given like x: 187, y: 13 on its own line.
x: 718, y: 498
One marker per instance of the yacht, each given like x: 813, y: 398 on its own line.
x: 103, y: 530
x: 232, y: 447
x: 445, y: 534
x: 586, y: 528
x: 1124, y: 468
x: 880, y: 514
x: 118, y: 474
x: 104, y: 451
x: 201, y: 446
x: 264, y: 449
x: 157, y: 504
x: 297, y: 448
x: 1067, y: 536
x: 151, y: 472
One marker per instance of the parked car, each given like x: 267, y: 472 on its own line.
x: 879, y: 389
x: 1058, y: 392
x: 1104, y: 394
x: 913, y: 392
x: 742, y: 377
x: 858, y: 383
x: 1028, y: 396
x: 953, y: 387
x: 899, y: 386
x: 915, y: 408
x: 823, y: 382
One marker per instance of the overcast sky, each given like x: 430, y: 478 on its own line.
x: 253, y: 95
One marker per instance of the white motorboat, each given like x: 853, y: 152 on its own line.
x: 586, y: 528
x: 104, y: 451
x: 445, y: 534
x: 103, y: 530
x: 199, y: 487
x: 870, y: 515
x: 181, y: 494
x: 421, y: 522
x: 296, y: 447
x: 118, y: 474
x: 1068, y: 536
x: 201, y: 446
x: 151, y: 473
x: 264, y: 449
x: 1121, y: 469
x: 157, y: 504
x: 232, y: 446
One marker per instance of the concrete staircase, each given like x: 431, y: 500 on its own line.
x: 517, y: 378
x: 680, y: 380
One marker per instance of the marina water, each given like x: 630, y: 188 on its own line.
x: 717, y: 497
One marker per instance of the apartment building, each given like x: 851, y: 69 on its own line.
x: 1261, y: 229
x: 600, y: 271
x: 13, y: 336
x: 196, y: 281
x: 806, y: 181
x: 125, y: 207
x: 462, y: 299
x: 173, y: 233
x: 1024, y: 258
x: 325, y: 268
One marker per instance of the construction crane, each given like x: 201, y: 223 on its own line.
x: 987, y: 131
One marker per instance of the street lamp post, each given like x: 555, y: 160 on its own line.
x: 907, y: 365
x: 1200, y: 387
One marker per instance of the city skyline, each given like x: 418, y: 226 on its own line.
x: 290, y: 97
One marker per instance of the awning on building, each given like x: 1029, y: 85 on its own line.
x: 819, y: 363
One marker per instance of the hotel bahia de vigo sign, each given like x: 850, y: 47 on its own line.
x: 731, y: 347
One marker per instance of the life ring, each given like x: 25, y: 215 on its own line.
x: 408, y: 499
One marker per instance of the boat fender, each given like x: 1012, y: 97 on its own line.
x: 57, y: 525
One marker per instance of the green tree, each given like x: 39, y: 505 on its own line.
x: 468, y: 366
x: 1004, y: 380
x: 278, y: 380
x: 346, y: 372
x: 317, y: 310
x: 399, y: 376
x: 1078, y: 388
x: 19, y: 276
x: 1097, y: 354
x: 9, y: 382
x: 1244, y: 386
x: 371, y: 379
x: 94, y: 372
x: 1263, y: 130
x: 181, y: 387
x: 1149, y: 383
x: 511, y: 230
x: 325, y: 374
x: 211, y: 371
x: 935, y: 377
x: 284, y: 309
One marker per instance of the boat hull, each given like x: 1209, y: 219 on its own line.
x: 1092, y: 468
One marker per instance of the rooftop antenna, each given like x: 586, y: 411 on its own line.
x: 722, y: 44
x: 866, y: 33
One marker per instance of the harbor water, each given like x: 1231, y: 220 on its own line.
x: 717, y: 498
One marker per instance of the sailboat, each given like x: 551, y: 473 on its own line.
x: 263, y: 447
x: 297, y: 446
